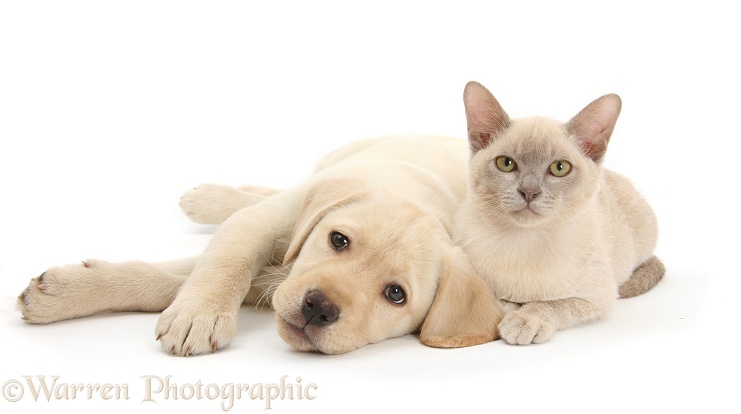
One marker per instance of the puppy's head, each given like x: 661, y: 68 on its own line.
x: 369, y: 266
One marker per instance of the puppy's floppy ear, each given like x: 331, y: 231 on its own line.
x: 322, y: 198
x: 464, y: 311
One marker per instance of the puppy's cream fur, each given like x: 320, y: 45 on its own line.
x: 394, y: 198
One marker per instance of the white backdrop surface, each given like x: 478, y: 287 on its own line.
x: 110, y: 110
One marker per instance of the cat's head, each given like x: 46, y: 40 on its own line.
x: 532, y: 170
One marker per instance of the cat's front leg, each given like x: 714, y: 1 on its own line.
x: 536, y: 322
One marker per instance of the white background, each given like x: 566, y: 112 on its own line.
x: 110, y: 110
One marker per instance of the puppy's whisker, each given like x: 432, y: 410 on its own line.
x: 267, y: 283
x: 265, y: 296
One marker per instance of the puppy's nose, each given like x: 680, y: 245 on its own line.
x: 318, y: 309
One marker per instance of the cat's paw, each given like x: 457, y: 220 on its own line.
x: 520, y: 327
x: 59, y: 293
x: 195, y: 327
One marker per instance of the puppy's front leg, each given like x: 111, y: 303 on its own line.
x: 203, y: 316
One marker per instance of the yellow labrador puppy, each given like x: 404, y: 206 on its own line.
x: 358, y: 253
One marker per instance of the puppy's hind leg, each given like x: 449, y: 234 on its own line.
x: 214, y: 203
x: 644, y: 277
x: 258, y: 190
x: 95, y: 286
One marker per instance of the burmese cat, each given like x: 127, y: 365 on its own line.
x: 556, y: 237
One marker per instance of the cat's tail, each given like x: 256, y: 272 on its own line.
x: 646, y: 276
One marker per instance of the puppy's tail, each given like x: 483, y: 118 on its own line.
x: 644, y: 277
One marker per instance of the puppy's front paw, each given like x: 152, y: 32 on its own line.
x: 195, y: 327
x: 521, y: 327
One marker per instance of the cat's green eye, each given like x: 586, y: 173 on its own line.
x: 506, y: 164
x: 560, y: 168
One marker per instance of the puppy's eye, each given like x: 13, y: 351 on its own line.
x: 506, y: 164
x: 395, y: 294
x: 338, y: 241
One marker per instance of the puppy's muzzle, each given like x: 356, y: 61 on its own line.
x: 318, y: 310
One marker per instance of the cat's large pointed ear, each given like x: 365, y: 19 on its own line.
x: 594, y: 124
x: 485, y: 116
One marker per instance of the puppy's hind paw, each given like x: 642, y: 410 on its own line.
x: 53, y: 296
x: 212, y: 203
x: 35, y: 304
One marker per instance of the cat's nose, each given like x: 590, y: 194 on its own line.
x: 529, y: 193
